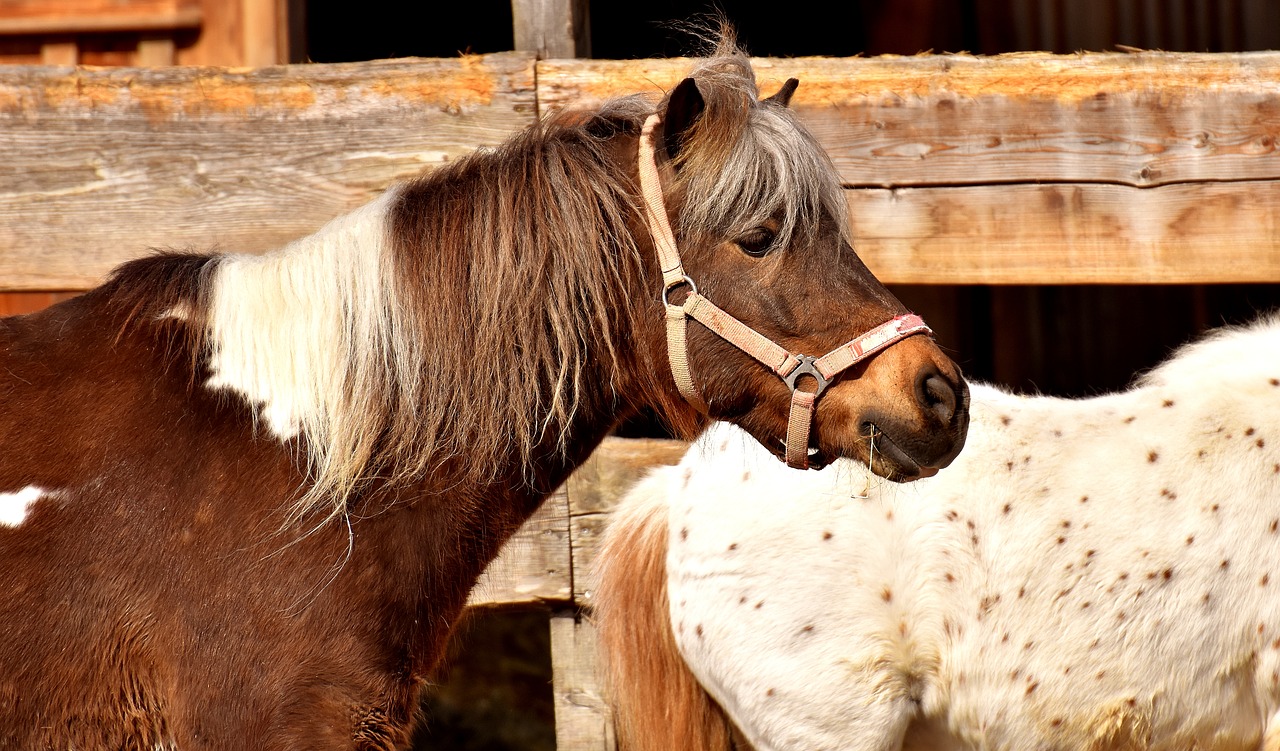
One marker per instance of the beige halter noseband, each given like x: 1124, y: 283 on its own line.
x: 787, y: 365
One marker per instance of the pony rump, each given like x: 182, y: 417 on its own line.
x: 658, y: 703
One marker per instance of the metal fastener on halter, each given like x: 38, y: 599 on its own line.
x: 693, y: 288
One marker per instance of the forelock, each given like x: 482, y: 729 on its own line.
x: 751, y: 161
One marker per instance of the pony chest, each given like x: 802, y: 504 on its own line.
x: 853, y: 605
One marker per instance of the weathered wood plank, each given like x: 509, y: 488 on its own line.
x: 221, y: 40
x: 547, y: 559
x: 97, y: 16
x: 595, y: 488
x: 155, y: 50
x: 59, y: 51
x: 535, y: 565
x: 261, y: 22
x: 583, y: 719
x: 102, y: 164
x: 1070, y: 234
x: 1143, y: 119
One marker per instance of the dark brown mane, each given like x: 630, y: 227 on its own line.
x: 166, y: 293
x: 514, y: 284
x: 155, y: 286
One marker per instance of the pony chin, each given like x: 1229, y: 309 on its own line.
x: 871, y: 445
x: 884, y: 457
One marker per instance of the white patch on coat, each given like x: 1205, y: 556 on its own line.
x: 283, y: 324
x: 14, y: 507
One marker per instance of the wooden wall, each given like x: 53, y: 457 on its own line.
x: 135, y: 33
x: 147, y: 32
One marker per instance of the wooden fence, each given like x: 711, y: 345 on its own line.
x: 1020, y: 169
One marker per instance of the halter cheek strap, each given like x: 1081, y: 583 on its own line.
x: 788, y: 366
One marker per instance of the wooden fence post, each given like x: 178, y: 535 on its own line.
x: 583, y: 720
x: 552, y: 28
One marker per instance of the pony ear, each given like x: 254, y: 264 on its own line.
x: 684, y: 107
x: 783, y: 96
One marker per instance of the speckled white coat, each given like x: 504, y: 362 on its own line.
x: 1097, y: 574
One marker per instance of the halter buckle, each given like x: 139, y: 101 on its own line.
x: 807, y: 367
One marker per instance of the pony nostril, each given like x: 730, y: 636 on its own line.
x: 937, y: 396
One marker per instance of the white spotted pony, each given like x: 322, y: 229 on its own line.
x: 1089, y: 574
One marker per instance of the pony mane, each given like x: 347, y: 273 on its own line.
x: 519, y: 263
x: 481, y: 306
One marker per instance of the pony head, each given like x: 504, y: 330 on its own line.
x: 760, y: 218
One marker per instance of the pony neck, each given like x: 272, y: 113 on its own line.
x: 424, y: 339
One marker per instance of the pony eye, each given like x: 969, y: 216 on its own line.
x: 757, y: 242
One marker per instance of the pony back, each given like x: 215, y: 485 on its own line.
x: 658, y: 704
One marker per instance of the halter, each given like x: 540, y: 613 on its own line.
x: 788, y: 366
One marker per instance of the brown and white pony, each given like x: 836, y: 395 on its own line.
x: 1097, y: 574
x: 243, y: 499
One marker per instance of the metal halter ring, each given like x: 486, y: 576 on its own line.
x: 806, y: 367
x: 693, y: 288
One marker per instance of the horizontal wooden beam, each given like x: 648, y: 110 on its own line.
x: 102, y: 164
x: 103, y: 22
x: 1144, y: 168
x: 1030, y: 168
x: 1143, y: 119
x: 1083, y: 233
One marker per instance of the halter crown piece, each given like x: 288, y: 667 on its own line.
x: 785, y: 364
